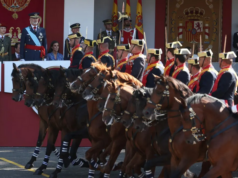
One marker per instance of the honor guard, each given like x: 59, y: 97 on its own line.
x: 194, y: 69
x: 181, y: 72
x: 122, y: 53
x: 226, y: 83
x: 169, y: 66
x: 5, y: 44
x: 127, y: 32
x: 33, y: 41
x: 108, y: 32
x: 67, y: 50
x: 208, y: 74
x: 105, y: 57
x: 77, y: 53
x: 87, y: 47
x: 154, y: 67
x: 136, y: 63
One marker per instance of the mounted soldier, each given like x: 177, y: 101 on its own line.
x: 122, y: 53
x: 154, y: 67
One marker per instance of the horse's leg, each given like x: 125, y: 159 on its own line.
x: 219, y: 169
x: 227, y: 175
x: 135, y: 161
x: 117, y: 146
x: 52, y: 136
x: 103, y: 155
x: 41, y: 137
x: 165, y: 172
x: 205, y: 168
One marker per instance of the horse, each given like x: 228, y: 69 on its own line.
x: 163, y: 98
x: 19, y: 86
x: 207, y: 117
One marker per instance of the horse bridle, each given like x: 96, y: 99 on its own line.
x: 21, y: 89
x: 102, y: 81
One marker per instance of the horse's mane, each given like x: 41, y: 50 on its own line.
x: 143, y: 92
x: 100, y: 66
x: 185, y: 92
x: 32, y: 66
x: 129, y: 79
x: 196, y: 99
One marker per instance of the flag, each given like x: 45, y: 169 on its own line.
x: 115, y: 16
x: 139, y: 21
x: 128, y: 8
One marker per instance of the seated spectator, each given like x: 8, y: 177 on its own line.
x: 16, y: 55
x: 53, y: 53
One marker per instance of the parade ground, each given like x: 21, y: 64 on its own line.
x: 13, y: 160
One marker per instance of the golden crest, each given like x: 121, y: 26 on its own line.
x: 15, y: 35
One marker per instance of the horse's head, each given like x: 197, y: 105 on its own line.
x: 18, y: 84
x: 96, y: 86
x: 116, y: 102
x: 31, y: 88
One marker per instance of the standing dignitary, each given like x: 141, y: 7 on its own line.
x: 77, y: 53
x: 5, y: 44
x: 33, y: 41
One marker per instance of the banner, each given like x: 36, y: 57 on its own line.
x: 128, y: 8
x: 115, y: 16
x: 15, y: 14
x: 139, y: 21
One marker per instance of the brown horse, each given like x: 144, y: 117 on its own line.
x: 163, y: 98
x: 203, y: 112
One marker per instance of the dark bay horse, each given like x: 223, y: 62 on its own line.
x: 19, y: 86
x: 164, y: 98
x: 203, y: 112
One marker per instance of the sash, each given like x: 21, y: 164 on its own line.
x: 107, y: 54
x: 86, y: 55
x: 130, y: 63
x: 178, y: 70
x: 77, y: 48
x: 193, y: 82
x: 121, y: 63
x: 33, y: 37
x: 168, y: 66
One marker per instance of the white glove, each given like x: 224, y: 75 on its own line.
x: 22, y: 60
x: 234, y: 109
x: 122, y: 39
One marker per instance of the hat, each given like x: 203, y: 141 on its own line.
x: 207, y: 53
x: 34, y: 15
x: 138, y: 42
x: 228, y: 55
x: 125, y: 47
x: 194, y: 60
x: 75, y: 25
x: 74, y: 36
x: 156, y: 52
x: 2, y: 25
x: 90, y: 43
x: 105, y: 39
x: 175, y: 44
x: 107, y: 21
x: 182, y: 51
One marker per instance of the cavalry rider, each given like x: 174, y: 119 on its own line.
x: 226, y: 82
x: 104, y: 56
x: 169, y: 66
x: 154, y: 67
x: 194, y: 69
x: 33, y: 41
x: 77, y: 53
x: 136, y: 63
x: 122, y: 53
x: 208, y: 74
x: 87, y: 48
x: 181, y: 72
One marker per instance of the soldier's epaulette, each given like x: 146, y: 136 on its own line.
x: 79, y: 49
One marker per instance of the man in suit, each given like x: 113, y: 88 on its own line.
x: 5, y: 44
x: 16, y: 55
x: 67, y: 50
x: 108, y: 32
x: 33, y: 41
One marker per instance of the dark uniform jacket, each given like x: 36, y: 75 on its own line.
x: 107, y: 58
x: 121, y: 66
x: 181, y: 73
x: 87, y: 60
x: 76, y: 57
x: 5, y: 49
x: 115, y: 38
x: 226, y: 87
x: 67, y: 49
x: 29, y: 54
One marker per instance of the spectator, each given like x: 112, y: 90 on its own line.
x: 53, y: 53
x: 16, y: 55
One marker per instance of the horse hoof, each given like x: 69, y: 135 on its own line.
x: 66, y: 163
x: 53, y: 176
x: 29, y: 166
x: 38, y: 172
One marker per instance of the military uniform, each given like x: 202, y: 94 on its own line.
x: 207, y: 76
x: 226, y: 82
x: 169, y: 66
x: 194, y: 79
x: 67, y: 49
x: 121, y: 66
x: 77, y: 53
x: 33, y: 42
x: 88, y: 58
x: 155, y: 68
x: 235, y: 42
x: 104, y: 56
x: 5, y: 47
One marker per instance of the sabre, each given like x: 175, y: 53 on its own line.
x: 86, y: 36
x: 122, y: 27
x: 166, y: 38
x: 100, y: 34
x: 200, y: 43
x: 134, y: 33
x: 145, y: 44
x: 224, y: 48
x: 69, y: 27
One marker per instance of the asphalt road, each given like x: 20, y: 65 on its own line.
x: 13, y: 160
